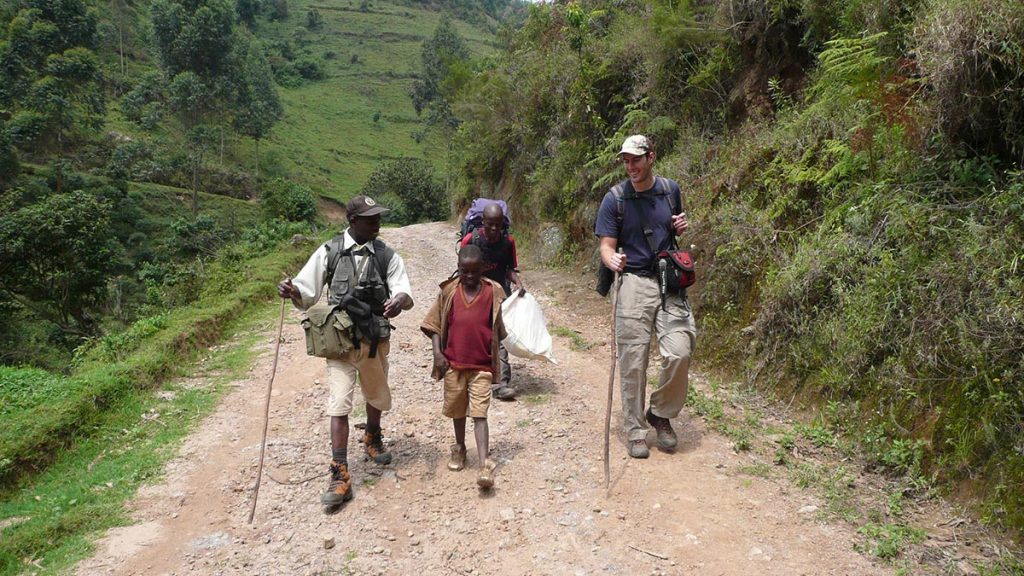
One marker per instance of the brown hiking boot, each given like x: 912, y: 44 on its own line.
x: 458, y: 459
x: 486, y: 478
x: 339, y: 488
x: 375, y: 450
x: 666, y: 435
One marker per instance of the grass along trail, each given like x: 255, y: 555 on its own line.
x: 709, y: 508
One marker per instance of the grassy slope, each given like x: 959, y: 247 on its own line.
x: 52, y: 516
x: 328, y: 139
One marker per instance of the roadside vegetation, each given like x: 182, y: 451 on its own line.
x: 854, y: 179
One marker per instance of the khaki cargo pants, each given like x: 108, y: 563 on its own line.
x: 638, y: 313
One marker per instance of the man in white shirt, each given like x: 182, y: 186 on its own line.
x: 368, y: 278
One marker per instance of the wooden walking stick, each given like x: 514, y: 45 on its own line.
x: 611, y: 384
x: 266, y: 414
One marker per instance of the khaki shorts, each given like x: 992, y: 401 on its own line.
x: 370, y: 373
x: 467, y: 392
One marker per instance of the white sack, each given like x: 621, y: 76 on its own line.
x: 527, y: 330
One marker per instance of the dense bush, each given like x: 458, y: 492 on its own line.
x: 287, y: 200
x: 408, y: 186
x: 972, y: 55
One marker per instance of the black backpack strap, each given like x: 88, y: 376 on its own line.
x: 382, y: 255
x: 619, y: 192
x: 674, y: 194
x: 335, y: 251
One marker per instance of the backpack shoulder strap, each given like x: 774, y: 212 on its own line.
x: 620, y: 194
x: 382, y: 255
x: 335, y: 250
x: 672, y: 191
x: 475, y: 238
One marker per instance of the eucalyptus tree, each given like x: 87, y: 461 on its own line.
x: 257, y: 104
x: 49, y: 77
x: 195, y: 40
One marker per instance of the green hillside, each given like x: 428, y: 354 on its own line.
x: 329, y: 138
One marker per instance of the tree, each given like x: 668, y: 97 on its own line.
x: 247, y: 11
x: 196, y: 40
x: 257, y: 105
x: 49, y: 75
x: 194, y: 36
x: 443, y: 53
x: 56, y: 255
x: 190, y: 99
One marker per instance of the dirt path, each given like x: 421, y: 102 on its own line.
x: 690, y: 512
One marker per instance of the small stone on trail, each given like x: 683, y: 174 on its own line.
x: 809, y: 509
x: 507, y: 514
x: 409, y: 434
x: 317, y: 382
x: 328, y: 543
x: 656, y: 506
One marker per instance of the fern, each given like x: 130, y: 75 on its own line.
x: 851, y: 66
x: 636, y: 121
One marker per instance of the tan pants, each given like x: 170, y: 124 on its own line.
x: 370, y: 373
x: 466, y: 393
x: 639, y: 312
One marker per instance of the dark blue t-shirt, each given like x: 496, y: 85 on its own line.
x: 656, y: 205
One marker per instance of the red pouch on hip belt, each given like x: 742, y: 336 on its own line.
x: 675, y: 271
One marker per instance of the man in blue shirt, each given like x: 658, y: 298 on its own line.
x: 638, y: 217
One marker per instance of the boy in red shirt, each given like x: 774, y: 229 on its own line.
x: 465, y: 328
x: 500, y: 264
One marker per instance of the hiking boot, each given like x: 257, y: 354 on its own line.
x: 486, y: 478
x: 504, y: 393
x: 666, y: 435
x: 375, y: 450
x: 638, y: 449
x: 458, y: 459
x: 339, y: 488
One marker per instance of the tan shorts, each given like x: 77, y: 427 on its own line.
x: 370, y: 373
x: 467, y: 392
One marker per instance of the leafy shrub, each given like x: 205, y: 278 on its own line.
x: 135, y: 105
x: 314, y: 20
x: 310, y: 69
x: 288, y: 200
x: 199, y: 237
x: 412, y: 188
x: 132, y: 160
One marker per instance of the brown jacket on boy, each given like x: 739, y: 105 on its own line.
x: 436, y: 321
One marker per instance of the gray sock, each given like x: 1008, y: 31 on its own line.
x: 340, y: 455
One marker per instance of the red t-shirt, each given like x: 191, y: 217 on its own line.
x: 469, y: 330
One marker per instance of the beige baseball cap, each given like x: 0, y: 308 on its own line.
x: 637, y: 145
